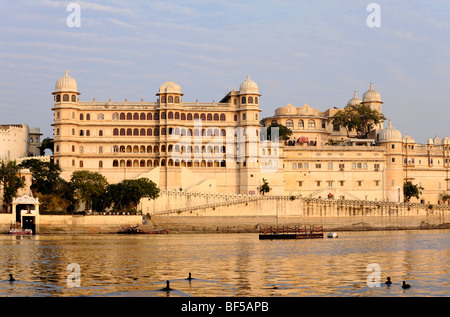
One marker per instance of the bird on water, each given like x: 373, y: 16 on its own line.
x: 167, y: 288
x: 11, y: 278
x: 405, y: 285
x: 388, y: 282
x: 189, y: 278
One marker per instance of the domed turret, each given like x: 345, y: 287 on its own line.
x: 249, y: 87
x: 390, y: 134
x: 371, y: 95
x: 354, y: 101
x: 66, y: 84
x: 169, y: 87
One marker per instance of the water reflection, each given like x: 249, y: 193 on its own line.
x: 226, y: 264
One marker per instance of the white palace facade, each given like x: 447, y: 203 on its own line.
x: 217, y: 147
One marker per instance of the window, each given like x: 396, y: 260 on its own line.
x: 359, y: 183
x: 318, y: 183
x: 74, y: 98
x: 341, y: 167
x: 122, y: 116
x: 216, y: 117
x: 330, y: 166
x: 116, y: 131
x: 203, y: 117
x: 129, y: 116
x: 100, y: 149
x: 81, y: 116
x: 341, y: 183
x: 58, y: 98
x: 177, y: 99
x: 300, y: 183
x: 170, y: 115
x: 244, y: 117
x: 222, y: 117
x: 250, y: 99
x: 66, y: 98
x: 81, y: 163
x: 393, y: 146
x: 301, y: 124
x: 115, y: 116
x: 289, y: 123
x: 177, y: 115
x: 100, y: 133
x: 142, y: 116
x: 318, y: 165
x: 311, y: 124
x: 170, y: 99
x: 136, y: 116
x: 88, y: 117
x: 243, y: 100
x: 100, y: 117
x: 330, y: 183
x: 377, y: 183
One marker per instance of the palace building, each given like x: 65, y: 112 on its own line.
x: 220, y: 146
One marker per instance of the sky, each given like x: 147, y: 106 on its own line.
x: 298, y: 52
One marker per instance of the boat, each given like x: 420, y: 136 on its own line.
x: 285, y: 232
x: 21, y: 231
x: 136, y: 230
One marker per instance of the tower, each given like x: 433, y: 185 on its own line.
x: 66, y: 122
x: 372, y: 99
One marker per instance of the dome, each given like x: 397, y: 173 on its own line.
x: 354, y: 101
x: 169, y: 87
x: 390, y: 134
x: 66, y: 83
x: 430, y: 141
x: 371, y: 95
x: 249, y: 87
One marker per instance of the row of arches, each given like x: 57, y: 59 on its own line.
x: 301, y: 124
x: 170, y: 162
x: 66, y: 98
x: 183, y: 149
x: 168, y: 131
x: 169, y: 115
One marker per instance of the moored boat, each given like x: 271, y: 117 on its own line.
x: 21, y: 231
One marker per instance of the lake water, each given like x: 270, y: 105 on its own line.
x: 226, y: 265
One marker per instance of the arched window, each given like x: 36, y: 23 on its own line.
x: 149, y: 149
x: 156, y: 132
x: 129, y: 132
x: 256, y: 100
x: 129, y: 116
x: 81, y: 116
x: 177, y: 99
x: 66, y: 98
x: 73, y: 131
x: 163, y: 99
x: 216, y: 117
x: 163, y: 115
x: 100, y: 149
x: 203, y: 117
x: 74, y: 98
x: 116, y: 131
x: 115, y: 149
x: 243, y: 100
x: 58, y: 98
x: 149, y: 116
x: 244, y: 116
x: 289, y: 123
x: 136, y: 116
x: 183, y: 116
x: 189, y: 116
x: 142, y: 132
x: 122, y: 131
x: 163, y: 131
x: 88, y: 133
x: 209, y: 117
x: 273, y: 122
x: 170, y: 99
x: 170, y: 115
x: 115, y: 163
x: 222, y: 117
x: 235, y: 117
x: 311, y: 124
x: 177, y: 115
x: 142, y: 116
x: 149, y: 132
x: 88, y: 117
x: 223, y: 132
x: 115, y: 116
x: 81, y: 132
x: 156, y: 116
x: 250, y: 99
x: 100, y: 117
x: 301, y: 124
x: 136, y: 132
x: 196, y: 117
x: 100, y: 132
x: 122, y: 116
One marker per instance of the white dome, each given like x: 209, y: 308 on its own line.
x: 430, y: 141
x: 354, y: 101
x: 249, y: 87
x: 390, y: 134
x: 169, y: 87
x: 66, y: 84
x: 371, y: 95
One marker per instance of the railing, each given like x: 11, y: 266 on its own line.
x: 303, y: 230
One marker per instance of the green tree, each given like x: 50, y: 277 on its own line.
x: 53, y: 192
x: 444, y: 197
x: 284, y: 132
x: 411, y: 190
x: 264, y: 187
x: 128, y: 193
x: 88, y: 186
x: 47, y: 143
x: 10, y: 181
x: 360, y: 118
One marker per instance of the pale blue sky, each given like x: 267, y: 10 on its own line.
x: 314, y: 52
